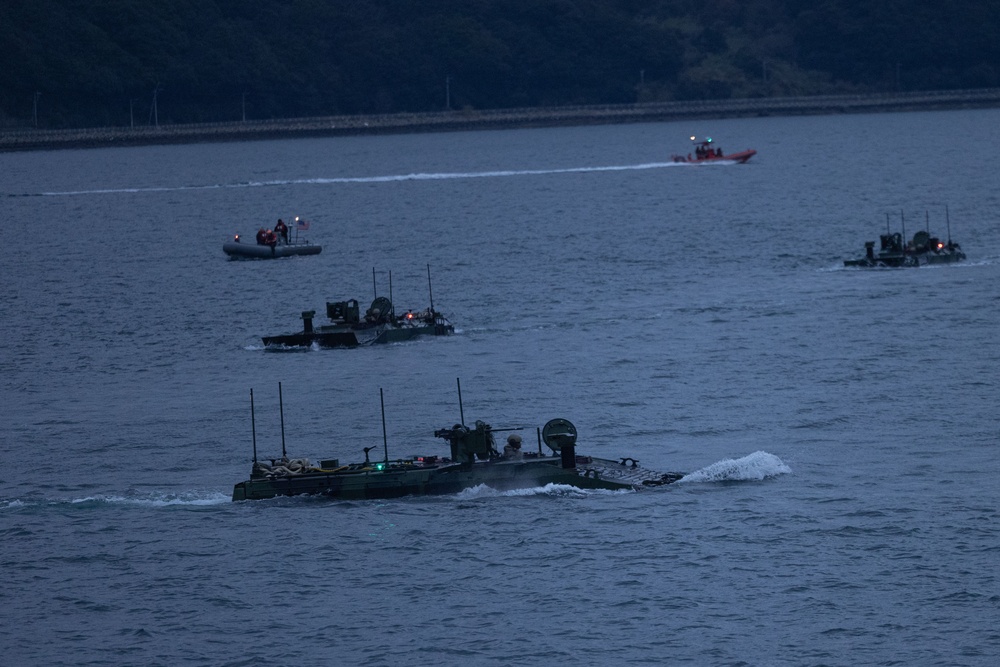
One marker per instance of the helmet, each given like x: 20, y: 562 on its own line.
x: 514, y: 439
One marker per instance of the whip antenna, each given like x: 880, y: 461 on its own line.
x: 281, y: 411
x: 253, y: 427
x: 429, y: 290
x: 392, y: 304
x: 385, y: 439
x: 948, y: 220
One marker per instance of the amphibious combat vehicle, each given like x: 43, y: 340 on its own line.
x: 472, y: 460
x: 379, y: 324
x: 922, y: 249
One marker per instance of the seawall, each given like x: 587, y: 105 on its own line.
x: 449, y: 121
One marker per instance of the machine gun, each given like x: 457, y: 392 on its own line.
x: 469, y: 444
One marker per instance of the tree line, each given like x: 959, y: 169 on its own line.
x: 81, y: 63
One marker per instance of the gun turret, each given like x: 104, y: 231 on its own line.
x: 455, y: 432
x: 468, y: 444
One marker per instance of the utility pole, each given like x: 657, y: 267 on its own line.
x: 154, y: 111
x: 131, y: 116
x: 447, y: 93
x: 35, y: 113
x: 244, y: 106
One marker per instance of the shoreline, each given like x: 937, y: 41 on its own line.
x: 452, y: 121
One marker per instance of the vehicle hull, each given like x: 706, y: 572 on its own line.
x: 400, y: 478
x: 253, y: 251
x: 346, y: 336
x: 740, y: 158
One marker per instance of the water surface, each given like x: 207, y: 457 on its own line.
x: 840, y: 425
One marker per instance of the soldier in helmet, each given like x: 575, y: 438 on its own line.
x: 512, y: 450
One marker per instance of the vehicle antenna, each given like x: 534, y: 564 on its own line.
x: 461, y: 412
x: 429, y: 290
x: 902, y: 222
x: 281, y: 411
x: 385, y: 439
x: 374, y: 288
x: 948, y: 220
x: 538, y: 433
x: 392, y: 304
x: 253, y: 427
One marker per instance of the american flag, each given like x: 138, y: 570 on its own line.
x: 301, y: 224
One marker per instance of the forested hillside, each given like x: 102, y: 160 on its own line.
x: 82, y: 63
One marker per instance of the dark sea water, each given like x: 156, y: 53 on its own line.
x: 841, y: 426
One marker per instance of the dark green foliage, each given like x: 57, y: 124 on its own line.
x: 88, y: 62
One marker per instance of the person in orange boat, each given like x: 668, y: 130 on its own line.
x: 282, y: 230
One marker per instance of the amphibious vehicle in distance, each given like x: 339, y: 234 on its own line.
x: 379, y: 324
x: 921, y: 249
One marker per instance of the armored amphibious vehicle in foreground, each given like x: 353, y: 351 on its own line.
x: 472, y: 460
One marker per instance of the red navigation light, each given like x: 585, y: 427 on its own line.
x: 409, y: 316
x: 940, y: 245
x: 237, y: 238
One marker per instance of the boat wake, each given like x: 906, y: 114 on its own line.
x: 392, y: 178
x: 753, y: 467
x: 559, y: 490
x: 190, y: 499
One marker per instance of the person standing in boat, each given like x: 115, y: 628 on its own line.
x: 261, y: 237
x: 512, y: 450
x: 270, y: 238
x: 282, y: 230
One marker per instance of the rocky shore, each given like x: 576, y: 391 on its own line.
x: 447, y: 121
